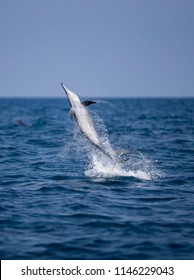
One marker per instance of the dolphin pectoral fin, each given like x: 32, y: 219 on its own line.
x: 71, y: 113
x: 88, y: 102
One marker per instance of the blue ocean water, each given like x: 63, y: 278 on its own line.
x: 60, y: 198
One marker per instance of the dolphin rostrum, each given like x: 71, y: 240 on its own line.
x: 80, y: 113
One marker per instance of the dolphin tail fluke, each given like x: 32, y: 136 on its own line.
x: 123, y: 155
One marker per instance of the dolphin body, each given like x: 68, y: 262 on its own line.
x: 80, y: 113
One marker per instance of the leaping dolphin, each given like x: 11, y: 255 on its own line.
x: 80, y: 113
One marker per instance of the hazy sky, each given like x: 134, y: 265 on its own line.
x: 97, y: 47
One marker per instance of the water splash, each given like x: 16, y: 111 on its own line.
x: 137, y: 164
x: 99, y: 165
x: 102, y: 167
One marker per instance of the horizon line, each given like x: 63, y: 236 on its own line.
x: 85, y: 96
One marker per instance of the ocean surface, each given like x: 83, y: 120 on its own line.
x: 61, y: 198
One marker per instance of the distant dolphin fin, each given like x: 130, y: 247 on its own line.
x: 71, y: 113
x: 88, y: 102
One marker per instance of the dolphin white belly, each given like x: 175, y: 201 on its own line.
x: 86, y: 125
x: 83, y: 119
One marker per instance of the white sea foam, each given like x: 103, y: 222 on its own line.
x: 102, y: 167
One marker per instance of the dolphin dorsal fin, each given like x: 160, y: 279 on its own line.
x: 88, y: 102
